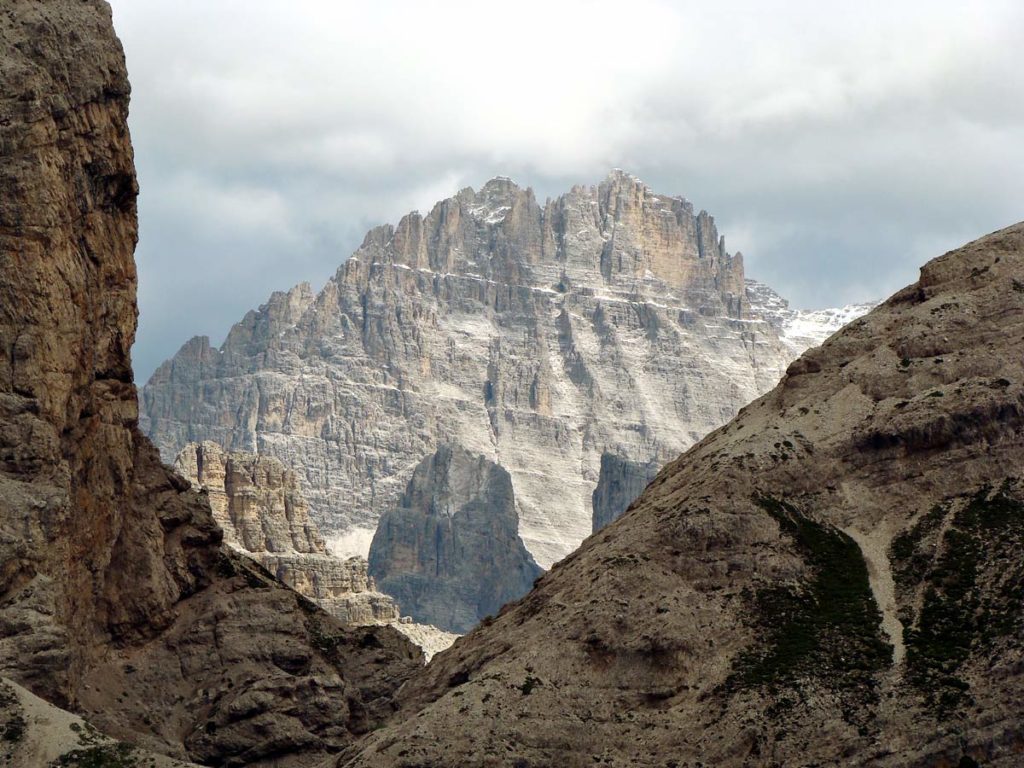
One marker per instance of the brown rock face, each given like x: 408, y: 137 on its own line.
x: 833, y: 578
x: 255, y: 499
x: 259, y: 505
x: 116, y: 596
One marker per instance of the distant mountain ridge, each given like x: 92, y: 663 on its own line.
x: 610, y: 320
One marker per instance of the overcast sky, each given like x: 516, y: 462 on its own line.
x: 837, y: 147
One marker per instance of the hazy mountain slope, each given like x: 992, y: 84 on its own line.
x: 833, y: 578
x: 116, y: 596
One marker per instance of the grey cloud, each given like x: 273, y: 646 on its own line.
x: 838, y: 147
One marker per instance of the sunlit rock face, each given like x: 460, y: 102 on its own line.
x: 259, y: 505
x: 611, y: 319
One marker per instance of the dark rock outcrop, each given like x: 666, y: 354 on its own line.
x: 833, y: 578
x: 117, y: 598
x: 619, y: 483
x: 449, y: 552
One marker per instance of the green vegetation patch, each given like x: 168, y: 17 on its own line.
x: 912, y: 550
x: 104, y: 756
x: 973, y: 593
x: 14, y: 728
x: 828, y: 627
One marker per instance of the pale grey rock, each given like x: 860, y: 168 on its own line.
x: 259, y: 505
x: 619, y: 483
x: 430, y: 639
x: 611, y: 319
x: 449, y: 552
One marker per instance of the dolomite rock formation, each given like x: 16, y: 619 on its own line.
x: 618, y: 484
x: 833, y: 578
x: 117, y: 598
x: 255, y: 499
x: 611, y: 319
x: 449, y: 552
x: 259, y: 505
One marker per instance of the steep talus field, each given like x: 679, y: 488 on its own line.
x: 117, y: 599
x: 833, y: 578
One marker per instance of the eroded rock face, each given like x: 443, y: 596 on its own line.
x: 117, y: 598
x: 256, y: 500
x: 618, y: 484
x: 833, y: 578
x: 449, y: 552
x: 611, y: 319
x: 259, y: 505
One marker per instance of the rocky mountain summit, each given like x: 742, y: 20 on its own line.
x: 450, y: 551
x: 118, y: 600
x: 832, y: 578
x: 610, y: 320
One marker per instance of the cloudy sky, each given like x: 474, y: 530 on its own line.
x: 838, y: 149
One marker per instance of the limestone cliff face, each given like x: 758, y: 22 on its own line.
x: 116, y: 596
x: 619, y: 483
x: 449, y: 552
x: 256, y: 500
x: 540, y: 336
x: 259, y: 505
x: 833, y: 578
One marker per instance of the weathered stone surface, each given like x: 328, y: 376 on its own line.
x: 259, y: 505
x: 35, y: 733
x: 833, y: 578
x: 255, y: 499
x: 620, y: 482
x: 609, y: 320
x: 429, y: 638
x: 449, y: 551
x: 117, y: 599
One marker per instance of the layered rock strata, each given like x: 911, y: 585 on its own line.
x: 260, y: 506
x: 833, y: 578
x: 611, y: 319
x: 449, y: 551
x: 117, y: 598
